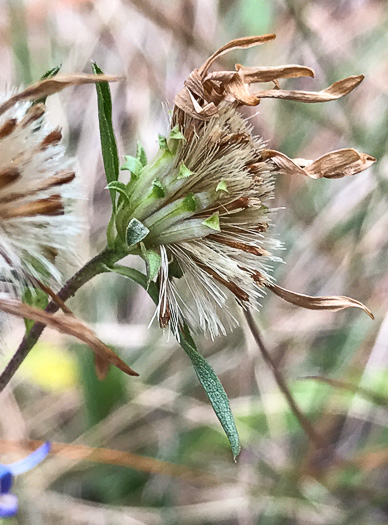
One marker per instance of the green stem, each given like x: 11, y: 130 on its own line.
x: 94, y: 267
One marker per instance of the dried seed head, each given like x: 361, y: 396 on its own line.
x: 36, y: 192
x: 201, y: 206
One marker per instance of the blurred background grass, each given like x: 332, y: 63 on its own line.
x: 175, y: 465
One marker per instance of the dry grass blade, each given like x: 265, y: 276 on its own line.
x: 115, y: 457
x: 52, y: 85
x: 304, y: 422
x: 337, y: 90
x: 330, y: 302
x: 374, y: 397
x: 66, y: 324
x: 333, y: 165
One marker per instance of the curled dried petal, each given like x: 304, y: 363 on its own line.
x: 331, y: 302
x: 337, y: 90
x: 251, y: 75
x: 237, y: 89
x: 67, y: 324
x: 238, y: 43
x: 333, y: 165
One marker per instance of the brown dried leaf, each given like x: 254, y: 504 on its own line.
x: 238, y: 43
x: 52, y: 85
x: 250, y: 75
x: 337, y: 90
x: 331, y: 302
x: 333, y: 165
x: 66, y: 324
x: 101, y: 367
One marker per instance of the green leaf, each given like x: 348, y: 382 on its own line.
x: 138, y: 278
x: 120, y: 187
x: 133, y: 165
x: 100, y: 397
x: 213, y: 222
x: 50, y: 73
x: 158, y: 189
x: 214, y: 390
x: 206, y: 375
x: 184, y: 172
x: 107, y: 136
x: 37, y: 298
x: 141, y: 154
x: 136, y: 232
x: 153, y: 262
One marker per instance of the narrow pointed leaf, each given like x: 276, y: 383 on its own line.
x: 214, y: 391
x: 206, y: 375
x: 107, y: 136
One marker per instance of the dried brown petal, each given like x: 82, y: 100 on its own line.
x: 62, y: 177
x: 8, y: 127
x: 238, y: 43
x: 332, y: 303
x: 337, y: 90
x: 232, y: 287
x: 66, y: 324
x: 8, y: 176
x: 53, y: 138
x: 237, y: 89
x: 49, y: 86
x: 33, y: 113
x: 50, y: 206
x: 333, y: 165
x: 250, y: 75
x: 248, y: 248
x: 185, y: 101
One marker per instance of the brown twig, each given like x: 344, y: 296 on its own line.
x: 94, y: 267
x: 304, y: 422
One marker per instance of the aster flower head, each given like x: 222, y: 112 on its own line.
x: 199, y: 213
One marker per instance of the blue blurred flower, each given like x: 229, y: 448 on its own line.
x: 9, y: 502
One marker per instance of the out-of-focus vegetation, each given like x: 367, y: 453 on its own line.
x: 149, y: 450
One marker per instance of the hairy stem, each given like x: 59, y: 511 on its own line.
x: 92, y: 268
